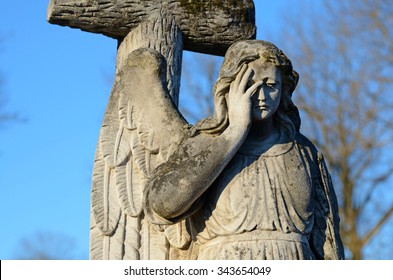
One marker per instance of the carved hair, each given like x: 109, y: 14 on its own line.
x: 287, y: 114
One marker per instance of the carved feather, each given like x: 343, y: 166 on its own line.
x: 145, y: 239
x: 159, y: 246
x: 146, y: 137
x: 96, y: 241
x: 105, y: 205
x: 122, y: 149
x: 130, y: 189
x: 132, y: 239
x: 109, y: 128
x: 127, y: 112
x: 115, y: 249
x: 178, y: 235
x: 139, y: 154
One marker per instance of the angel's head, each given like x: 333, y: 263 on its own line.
x: 266, y: 55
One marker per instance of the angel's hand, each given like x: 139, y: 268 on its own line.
x: 239, y: 99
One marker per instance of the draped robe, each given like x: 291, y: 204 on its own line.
x: 278, y: 204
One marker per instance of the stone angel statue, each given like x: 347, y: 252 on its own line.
x: 242, y: 184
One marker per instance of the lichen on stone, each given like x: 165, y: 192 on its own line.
x: 236, y: 8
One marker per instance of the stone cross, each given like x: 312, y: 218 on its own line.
x: 209, y: 26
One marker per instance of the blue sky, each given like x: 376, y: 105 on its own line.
x: 59, y: 79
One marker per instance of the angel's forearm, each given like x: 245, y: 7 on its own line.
x: 178, y: 183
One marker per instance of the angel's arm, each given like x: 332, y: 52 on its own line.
x: 178, y: 183
x: 198, y: 161
x: 325, y: 238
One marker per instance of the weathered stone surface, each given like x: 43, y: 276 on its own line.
x: 208, y: 26
x: 242, y: 184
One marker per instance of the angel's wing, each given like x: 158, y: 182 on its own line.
x: 141, y: 128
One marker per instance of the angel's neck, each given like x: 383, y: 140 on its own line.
x: 262, y: 135
x: 262, y: 131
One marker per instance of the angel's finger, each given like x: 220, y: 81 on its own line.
x: 245, y: 79
x: 239, y: 76
x: 252, y: 89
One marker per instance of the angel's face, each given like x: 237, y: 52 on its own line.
x: 266, y: 99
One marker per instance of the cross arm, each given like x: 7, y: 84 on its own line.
x: 207, y: 26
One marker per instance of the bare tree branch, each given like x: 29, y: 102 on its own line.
x: 344, y: 59
x: 378, y: 226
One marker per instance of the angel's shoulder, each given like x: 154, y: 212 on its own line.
x: 306, y: 144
